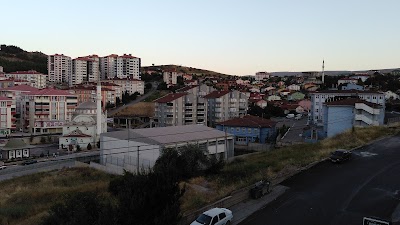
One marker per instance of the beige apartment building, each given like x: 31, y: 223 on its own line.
x: 125, y: 66
x: 34, y: 78
x: 47, y: 110
x: 7, y: 116
x: 59, y: 68
x: 85, y: 69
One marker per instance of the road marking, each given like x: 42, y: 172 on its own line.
x: 367, y: 154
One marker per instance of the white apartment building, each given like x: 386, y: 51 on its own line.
x: 15, y: 94
x: 47, y: 110
x: 127, y: 84
x: 84, y: 69
x: 225, y: 105
x: 34, y: 78
x: 170, y: 77
x: 59, y: 68
x: 318, y: 98
x: 125, y: 66
x: 262, y: 75
x: 7, y: 119
x: 187, y: 106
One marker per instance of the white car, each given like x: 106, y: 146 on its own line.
x: 3, y: 167
x: 215, y: 216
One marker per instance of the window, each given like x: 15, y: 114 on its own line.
x: 221, y: 142
x: 237, y: 129
x: 249, y: 130
x: 214, y: 220
x: 221, y: 216
x: 3, y: 104
x: 244, y: 130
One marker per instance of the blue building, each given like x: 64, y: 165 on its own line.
x: 342, y: 115
x: 351, y: 86
x: 249, y: 129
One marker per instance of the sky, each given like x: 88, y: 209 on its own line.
x: 234, y: 37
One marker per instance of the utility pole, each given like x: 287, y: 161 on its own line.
x: 137, y: 171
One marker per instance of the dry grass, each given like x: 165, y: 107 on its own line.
x: 139, y: 109
x: 275, y: 164
x: 25, y: 200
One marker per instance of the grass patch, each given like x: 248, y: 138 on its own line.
x: 157, y: 94
x: 277, y: 163
x: 25, y: 200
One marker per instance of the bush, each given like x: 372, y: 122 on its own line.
x: 89, y: 146
x: 78, y: 148
x: 42, y: 140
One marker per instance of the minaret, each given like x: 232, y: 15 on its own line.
x: 323, y: 71
x: 98, y: 114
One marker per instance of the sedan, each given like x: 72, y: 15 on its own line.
x: 339, y: 156
x: 215, y: 216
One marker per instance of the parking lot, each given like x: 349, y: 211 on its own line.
x: 294, y: 135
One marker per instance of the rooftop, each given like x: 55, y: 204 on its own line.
x: 26, y: 72
x: 248, y: 121
x: 351, y: 102
x: 24, y: 87
x: 216, y: 94
x: 50, y: 91
x: 169, y: 135
x: 170, y: 97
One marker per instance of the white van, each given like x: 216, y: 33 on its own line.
x: 289, y: 116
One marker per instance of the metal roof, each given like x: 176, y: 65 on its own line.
x: 169, y: 135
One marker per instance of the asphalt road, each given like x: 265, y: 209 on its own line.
x: 336, y: 194
x: 295, y: 131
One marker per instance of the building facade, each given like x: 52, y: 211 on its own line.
x: 224, y: 105
x: 128, y: 85
x: 170, y: 77
x: 87, y: 93
x: 34, y: 78
x: 262, y: 75
x: 47, y: 110
x: 125, y: 66
x: 59, y: 68
x: 318, y: 98
x: 81, y: 130
x: 249, y: 129
x: 7, y: 116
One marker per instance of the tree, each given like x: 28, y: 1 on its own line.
x: 98, y: 144
x: 89, y: 147
x: 82, y: 208
x: 162, y: 86
x: 49, y: 139
x: 117, y: 100
x: 148, y: 86
x: 78, y: 148
x: 42, y: 139
x: 147, y: 198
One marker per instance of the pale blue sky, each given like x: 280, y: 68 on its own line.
x: 229, y: 36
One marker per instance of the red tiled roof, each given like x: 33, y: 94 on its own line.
x: 352, y: 101
x: 344, y: 92
x: 2, y: 98
x: 89, y: 87
x: 128, y: 56
x: 50, y: 91
x: 187, y: 88
x: 84, y: 59
x: 216, y: 94
x: 170, y: 97
x: 248, y: 121
x: 26, y: 72
x: 23, y: 87
x: 117, y: 78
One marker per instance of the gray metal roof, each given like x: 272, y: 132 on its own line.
x: 15, y: 143
x: 169, y: 135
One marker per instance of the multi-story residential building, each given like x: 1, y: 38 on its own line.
x: 15, y: 93
x: 47, y: 110
x: 34, y: 78
x: 7, y: 116
x: 347, y: 80
x: 85, y: 69
x: 342, y: 115
x: 120, y: 66
x: 262, y: 76
x: 127, y: 84
x: 224, y: 105
x: 318, y: 98
x: 187, y: 106
x: 5, y: 83
x: 59, y: 68
x: 87, y: 93
x: 170, y: 77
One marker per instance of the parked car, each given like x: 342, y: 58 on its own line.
x: 339, y: 156
x: 29, y: 162
x: 290, y: 116
x: 215, y: 216
x: 3, y: 167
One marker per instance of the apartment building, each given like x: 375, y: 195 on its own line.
x: 47, y: 110
x: 170, y: 77
x: 225, y: 105
x: 127, y: 84
x: 125, y: 66
x: 342, y: 115
x: 7, y: 116
x: 87, y: 93
x: 59, y: 68
x: 84, y: 69
x: 33, y: 78
x: 262, y: 75
x: 186, y: 106
x: 318, y: 98
x: 16, y: 93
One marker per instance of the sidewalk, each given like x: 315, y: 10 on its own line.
x: 244, y: 209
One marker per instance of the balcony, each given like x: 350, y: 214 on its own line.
x: 366, y: 120
x: 367, y: 108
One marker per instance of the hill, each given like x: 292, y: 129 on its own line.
x: 13, y: 58
x: 183, y: 69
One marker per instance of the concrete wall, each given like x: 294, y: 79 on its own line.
x: 337, y: 119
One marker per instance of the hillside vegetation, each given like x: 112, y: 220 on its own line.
x: 13, y: 58
x: 184, y: 69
